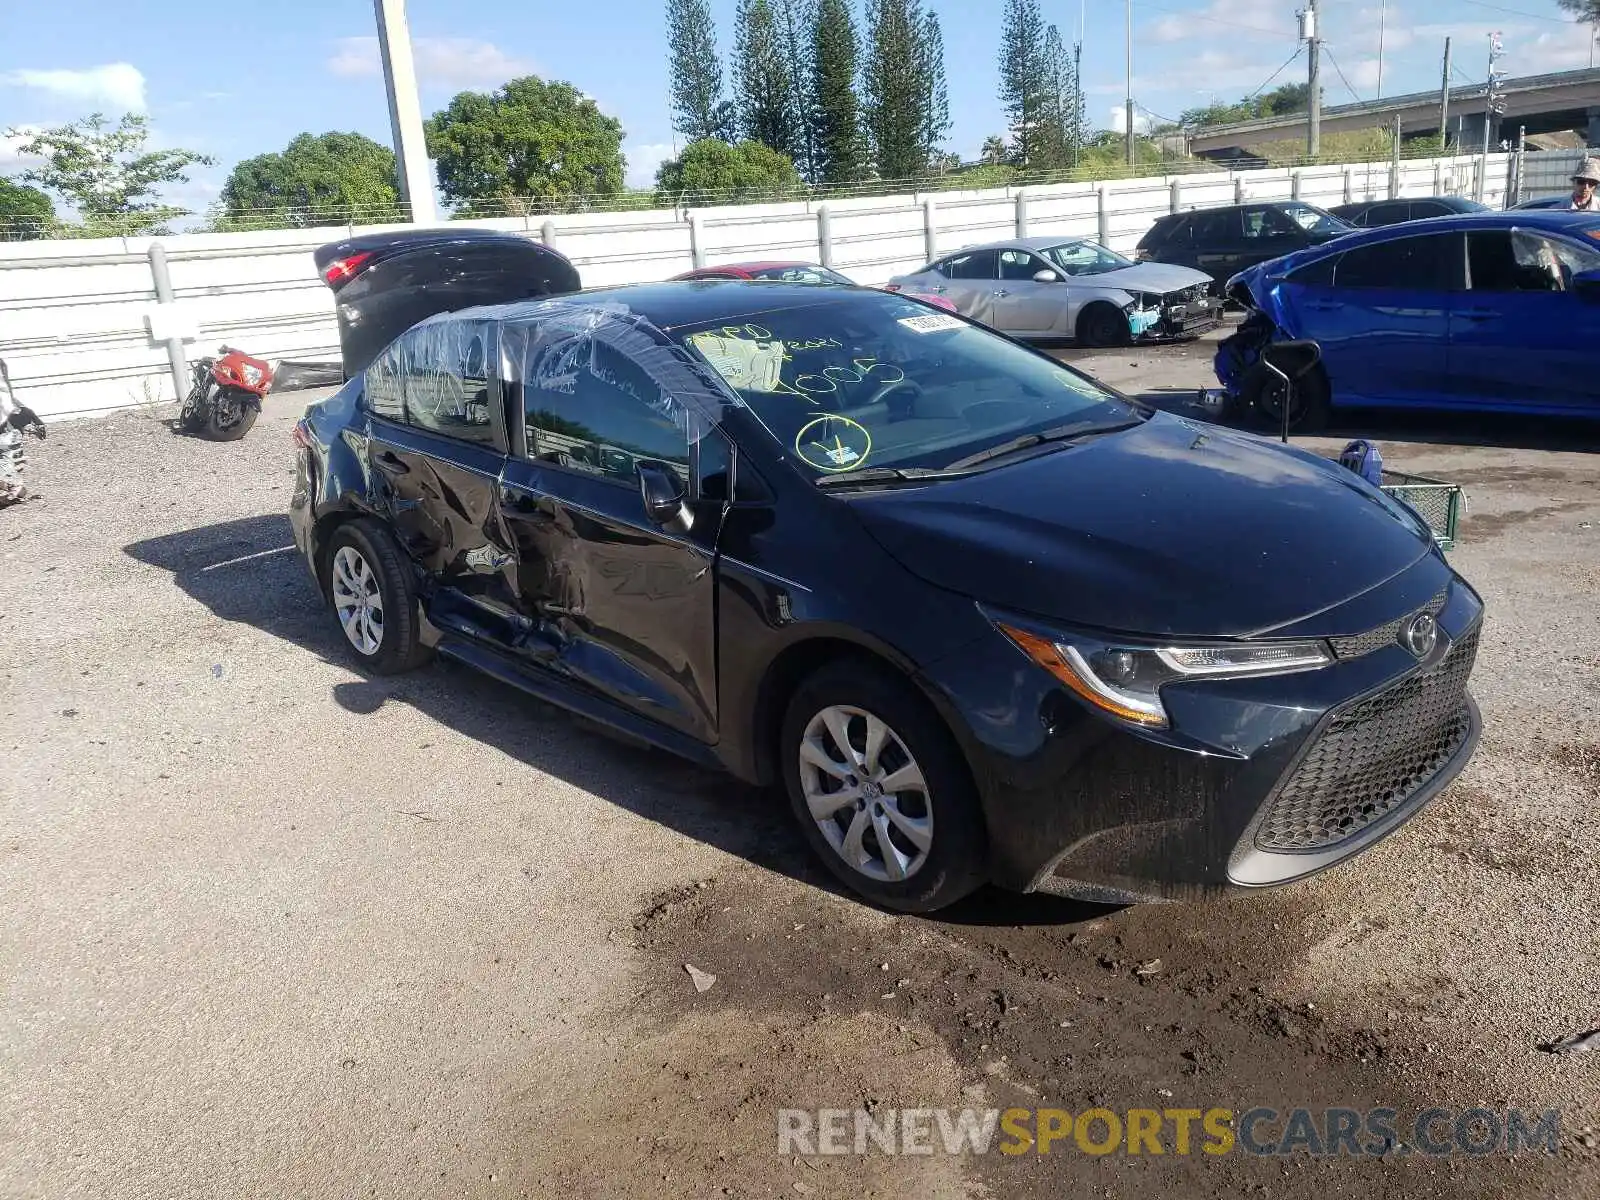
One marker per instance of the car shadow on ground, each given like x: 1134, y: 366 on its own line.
x: 1511, y: 431
x: 249, y: 571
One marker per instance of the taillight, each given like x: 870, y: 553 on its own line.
x: 891, y: 287
x: 342, y: 269
x: 301, y: 435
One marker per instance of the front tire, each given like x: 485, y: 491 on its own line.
x: 217, y: 426
x: 374, y: 599
x: 1102, y: 325
x: 1261, y: 394
x: 880, y: 790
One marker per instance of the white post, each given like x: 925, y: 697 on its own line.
x: 1022, y: 212
x: 405, y: 110
x: 930, y: 228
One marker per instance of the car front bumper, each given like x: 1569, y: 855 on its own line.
x: 1188, y: 319
x: 1258, y: 782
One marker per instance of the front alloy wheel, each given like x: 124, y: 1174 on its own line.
x: 358, y: 600
x: 873, y: 774
x: 866, y: 793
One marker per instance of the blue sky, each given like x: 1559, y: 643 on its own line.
x: 241, y: 80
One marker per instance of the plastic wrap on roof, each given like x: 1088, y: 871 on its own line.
x: 545, y: 345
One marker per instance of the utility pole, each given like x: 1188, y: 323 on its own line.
x: 1444, y: 103
x: 1491, y: 90
x: 405, y: 110
x: 1077, y: 99
x: 1128, y: 131
x: 1311, y: 35
x: 1383, y: 13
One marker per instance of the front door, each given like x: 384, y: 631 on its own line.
x: 1022, y: 305
x: 1520, y: 336
x: 620, y: 604
x: 1383, y: 324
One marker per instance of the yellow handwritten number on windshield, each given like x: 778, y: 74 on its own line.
x: 833, y: 444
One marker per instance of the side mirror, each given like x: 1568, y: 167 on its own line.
x: 1587, y: 285
x: 1045, y: 277
x: 664, y: 500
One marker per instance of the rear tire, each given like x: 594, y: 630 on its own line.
x: 374, y: 598
x: 900, y: 780
x: 1102, y: 325
x: 1261, y: 395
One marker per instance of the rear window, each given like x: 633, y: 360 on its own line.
x: 1165, y: 229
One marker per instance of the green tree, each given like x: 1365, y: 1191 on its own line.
x: 698, y: 108
x: 835, y: 116
x: 105, y: 172
x: 1583, y: 10
x: 26, y: 213
x: 994, y: 150
x: 531, y: 142
x: 1060, y: 134
x: 761, y: 79
x: 795, y: 19
x: 1024, y: 79
x: 936, y: 100
x: 895, y: 91
x: 1280, y: 101
x: 712, y: 172
x: 318, y: 179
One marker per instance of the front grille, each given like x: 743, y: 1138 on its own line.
x: 1190, y: 295
x: 1384, y: 635
x: 1373, y: 756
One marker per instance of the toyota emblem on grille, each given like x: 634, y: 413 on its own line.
x: 1420, y: 635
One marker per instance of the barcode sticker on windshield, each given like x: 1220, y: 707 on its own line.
x: 932, y: 323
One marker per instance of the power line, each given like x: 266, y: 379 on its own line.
x: 1516, y: 12
x: 1340, y: 70
x: 1196, y: 16
x: 1276, y: 73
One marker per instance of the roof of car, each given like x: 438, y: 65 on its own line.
x: 1570, y: 222
x: 774, y: 265
x: 405, y: 239
x: 677, y: 303
x: 1022, y: 243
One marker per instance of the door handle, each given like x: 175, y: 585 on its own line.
x: 1326, y: 305
x: 1002, y: 292
x: 391, y: 463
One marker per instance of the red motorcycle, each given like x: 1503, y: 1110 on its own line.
x: 225, y: 400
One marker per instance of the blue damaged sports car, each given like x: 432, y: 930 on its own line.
x: 1492, y: 312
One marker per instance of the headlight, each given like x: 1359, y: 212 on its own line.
x: 252, y: 375
x: 1145, y: 301
x: 1126, y: 681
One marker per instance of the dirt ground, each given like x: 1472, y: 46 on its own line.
x: 277, y: 929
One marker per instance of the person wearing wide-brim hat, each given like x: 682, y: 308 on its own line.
x: 1585, y: 182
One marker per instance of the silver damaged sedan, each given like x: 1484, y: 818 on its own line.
x: 1043, y: 287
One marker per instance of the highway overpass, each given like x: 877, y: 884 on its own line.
x: 1539, y: 103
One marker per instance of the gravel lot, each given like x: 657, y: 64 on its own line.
x: 277, y: 929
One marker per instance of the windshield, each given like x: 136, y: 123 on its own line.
x: 801, y: 274
x: 1085, y: 258
x: 855, y: 380
x: 1314, y: 220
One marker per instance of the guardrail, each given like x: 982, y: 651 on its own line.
x: 84, y: 324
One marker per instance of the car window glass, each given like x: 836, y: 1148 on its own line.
x: 800, y: 274
x: 384, y: 391
x: 1020, y: 265
x: 1428, y: 264
x: 591, y: 408
x: 1515, y: 260
x: 1266, y: 223
x: 872, y: 379
x: 1086, y: 258
x: 980, y: 264
x: 1429, y: 208
x: 1317, y: 274
x: 447, y: 383
x: 1211, y: 228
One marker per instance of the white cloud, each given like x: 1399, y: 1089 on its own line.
x: 1370, y: 27
x: 1363, y: 76
x: 643, y: 159
x: 449, y: 62
x: 1230, y: 19
x: 1564, y: 51
x: 1119, y: 120
x: 11, y: 144
x: 121, y: 86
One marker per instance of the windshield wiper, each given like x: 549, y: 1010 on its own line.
x: 1027, y: 441
x: 881, y: 475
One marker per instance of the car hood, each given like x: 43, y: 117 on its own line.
x: 1144, y: 277
x: 1173, y: 528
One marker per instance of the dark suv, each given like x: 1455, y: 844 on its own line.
x: 980, y: 617
x: 1369, y: 214
x: 1224, y: 241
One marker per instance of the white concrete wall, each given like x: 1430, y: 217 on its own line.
x: 72, y: 313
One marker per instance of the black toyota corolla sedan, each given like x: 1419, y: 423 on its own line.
x: 980, y: 617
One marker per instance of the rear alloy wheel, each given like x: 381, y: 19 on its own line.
x: 373, y: 598
x: 1103, y: 325
x: 879, y: 790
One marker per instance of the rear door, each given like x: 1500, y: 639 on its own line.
x: 1520, y: 336
x: 621, y: 605
x: 1383, y: 320
x: 969, y: 280
x: 436, y: 447
x: 1215, y: 238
